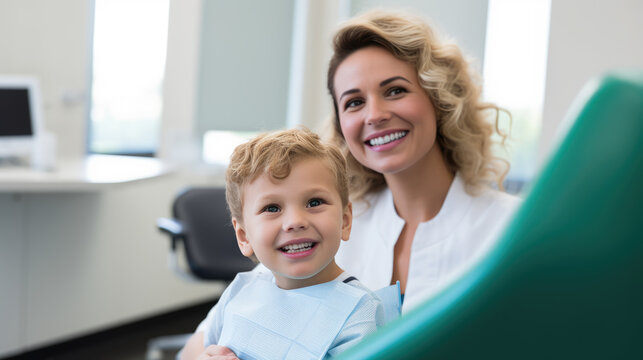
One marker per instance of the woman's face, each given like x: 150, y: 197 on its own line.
x: 386, y: 117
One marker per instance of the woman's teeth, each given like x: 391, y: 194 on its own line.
x: 387, y: 138
x: 290, y: 249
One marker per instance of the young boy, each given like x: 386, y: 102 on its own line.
x: 288, y: 198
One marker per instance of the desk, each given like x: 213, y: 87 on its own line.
x: 93, y: 173
x: 79, y: 251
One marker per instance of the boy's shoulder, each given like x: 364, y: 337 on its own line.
x: 368, y: 298
x: 354, y: 282
x: 389, y: 298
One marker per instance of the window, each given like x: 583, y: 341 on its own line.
x: 129, y: 48
x: 514, y: 78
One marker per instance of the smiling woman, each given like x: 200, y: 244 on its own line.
x: 418, y: 139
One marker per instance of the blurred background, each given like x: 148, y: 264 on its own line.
x: 181, y: 82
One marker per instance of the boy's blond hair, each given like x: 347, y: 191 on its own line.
x: 275, y: 153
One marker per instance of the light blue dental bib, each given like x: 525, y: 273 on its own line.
x: 266, y: 322
x: 391, y: 299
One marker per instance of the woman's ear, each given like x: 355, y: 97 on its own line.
x: 242, y: 240
x: 347, y: 221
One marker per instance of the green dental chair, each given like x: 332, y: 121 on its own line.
x: 566, y: 279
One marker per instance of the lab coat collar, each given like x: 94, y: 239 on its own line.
x: 455, y: 207
x: 389, y: 223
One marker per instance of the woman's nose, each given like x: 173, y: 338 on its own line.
x: 295, y: 220
x: 376, y: 112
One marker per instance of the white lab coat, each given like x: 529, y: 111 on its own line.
x: 443, y: 247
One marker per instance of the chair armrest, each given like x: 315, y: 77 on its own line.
x: 172, y: 227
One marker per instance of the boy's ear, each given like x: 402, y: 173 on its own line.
x: 242, y: 240
x: 347, y: 221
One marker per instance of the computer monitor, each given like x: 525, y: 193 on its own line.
x: 20, y: 115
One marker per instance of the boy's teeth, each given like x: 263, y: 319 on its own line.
x: 387, y: 138
x: 297, y: 247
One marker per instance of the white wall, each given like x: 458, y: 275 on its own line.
x: 49, y: 39
x: 12, y: 293
x: 586, y: 39
x: 70, y: 263
x: 95, y: 260
x: 74, y: 263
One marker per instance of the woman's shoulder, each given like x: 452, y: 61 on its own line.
x: 495, y: 203
x: 501, y: 199
x: 477, y: 201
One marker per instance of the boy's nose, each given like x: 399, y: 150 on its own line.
x: 295, y: 221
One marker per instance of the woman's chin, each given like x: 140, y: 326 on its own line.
x: 390, y: 168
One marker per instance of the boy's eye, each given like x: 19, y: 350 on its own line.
x: 314, y: 202
x: 272, y: 208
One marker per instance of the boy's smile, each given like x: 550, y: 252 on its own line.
x: 294, y: 225
x: 298, y: 248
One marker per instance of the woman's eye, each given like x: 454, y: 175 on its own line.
x: 314, y: 202
x: 396, y: 91
x: 353, y: 103
x: 270, y: 208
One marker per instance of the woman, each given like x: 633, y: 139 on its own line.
x: 409, y: 118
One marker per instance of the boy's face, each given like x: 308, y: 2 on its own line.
x: 294, y: 225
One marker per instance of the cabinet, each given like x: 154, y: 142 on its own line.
x: 79, y: 255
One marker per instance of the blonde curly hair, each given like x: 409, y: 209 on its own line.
x: 464, y: 132
x: 275, y: 153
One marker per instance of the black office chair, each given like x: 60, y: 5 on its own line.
x: 202, y: 223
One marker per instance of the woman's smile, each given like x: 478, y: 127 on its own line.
x: 386, y: 117
x: 377, y: 141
